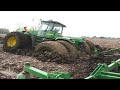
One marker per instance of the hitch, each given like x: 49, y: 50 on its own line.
x: 25, y: 74
x: 104, y: 71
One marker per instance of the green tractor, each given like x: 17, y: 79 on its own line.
x: 46, y: 37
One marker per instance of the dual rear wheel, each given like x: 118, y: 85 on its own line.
x: 63, y: 48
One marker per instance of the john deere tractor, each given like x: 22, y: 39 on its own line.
x: 46, y: 37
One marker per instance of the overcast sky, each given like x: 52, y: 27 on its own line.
x: 79, y: 23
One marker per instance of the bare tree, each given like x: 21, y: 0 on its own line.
x: 4, y: 31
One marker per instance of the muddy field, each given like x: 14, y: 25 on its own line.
x: 80, y: 67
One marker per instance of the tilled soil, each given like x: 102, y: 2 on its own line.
x: 12, y: 63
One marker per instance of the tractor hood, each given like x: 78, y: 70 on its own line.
x: 71, y: 39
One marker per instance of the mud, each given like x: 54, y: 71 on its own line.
x: 12, y: 63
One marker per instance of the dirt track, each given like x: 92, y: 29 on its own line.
x: 11, y: 64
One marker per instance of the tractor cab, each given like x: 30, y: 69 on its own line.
x: 50, y: 29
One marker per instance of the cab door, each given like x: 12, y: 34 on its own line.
x: 49, y: 34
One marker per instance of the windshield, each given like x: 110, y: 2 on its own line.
x: 51, y: 26
x: 46, y: 26
x: 58, y: 28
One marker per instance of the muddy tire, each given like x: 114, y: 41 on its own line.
x: 19, y: 41
x: 28, y: 41
x: 1, y: 40
x: 100, y: 48
x: 92, y: 46
x: 84, y: 47
x: 72, y: 50
x: 51, y: 46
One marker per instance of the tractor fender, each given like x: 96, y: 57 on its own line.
x: 66, y: 39
x: 72, y: 40
x: 81, y: 40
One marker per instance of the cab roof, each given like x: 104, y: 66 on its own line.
x: 51, y: 21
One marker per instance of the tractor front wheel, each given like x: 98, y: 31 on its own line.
x: 14, y: 41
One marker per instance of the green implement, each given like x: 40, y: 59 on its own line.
x: 107, y: 51
x: 104, y: 71
x: 41, y: 74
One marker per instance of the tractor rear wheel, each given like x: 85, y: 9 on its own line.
x: 84, y: 47
x: 92, y: 46
x: 51, y: 46
x: 71, y: 49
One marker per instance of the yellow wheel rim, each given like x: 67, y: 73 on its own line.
x: 11, y: 42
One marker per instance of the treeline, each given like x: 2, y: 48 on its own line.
x: 4, y: 31
x: 100, y: 37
